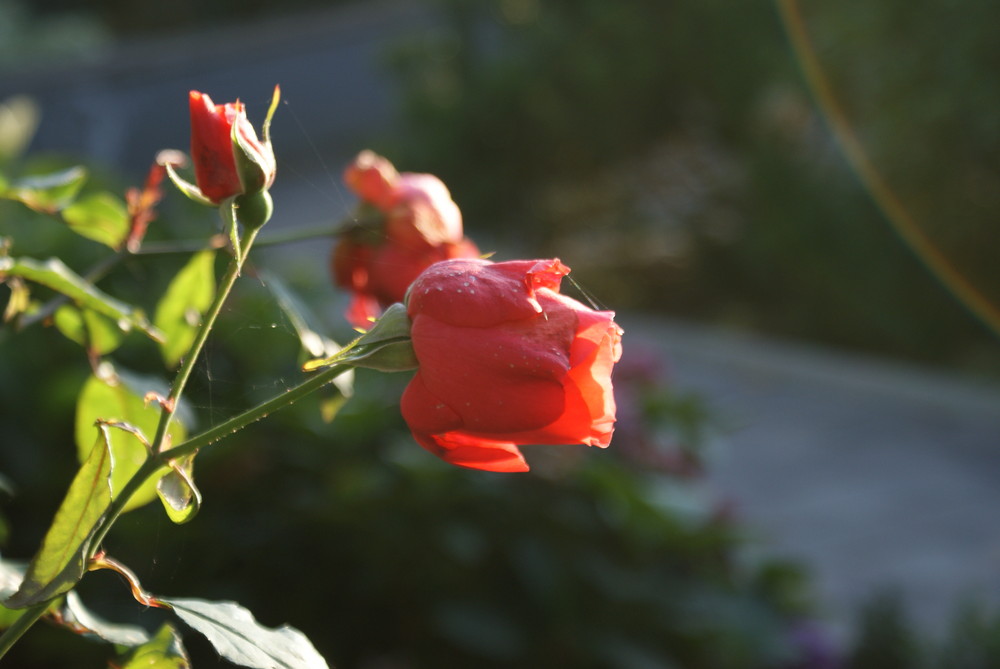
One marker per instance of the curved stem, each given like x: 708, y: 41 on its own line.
x: 184, y: 373
x: 155, y: 460
x: 254, y: 414
x: 159, y: 460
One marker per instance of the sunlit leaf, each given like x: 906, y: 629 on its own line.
x: 163, y: 651
x: 19, y: 116
x: 176, y: 489
x: 54, y: 274
x: 242, y: 640
x: 20, y: 299
x: 84, y: 620
x: 47, y: 193
x: 61, y: 561
x: 179, y: 311
x: 101, y: 217
x: 111, y: 399
x: 89, y: 329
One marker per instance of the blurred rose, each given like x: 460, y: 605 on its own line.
x: 505, y: 360
x: 406, y: 223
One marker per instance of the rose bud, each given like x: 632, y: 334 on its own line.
x: 228, y: 158
x: 406, y: 222
x: 505, y: 360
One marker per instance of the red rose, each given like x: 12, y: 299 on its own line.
x: 212, y: 150
x: 416, y: 224
x: 505, y: 360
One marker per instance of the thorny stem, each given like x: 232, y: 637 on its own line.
x: 218, y: 241
x: 155, y: 460
x: 158, y: 458
x: 254, y: 414
x: 208, y: 321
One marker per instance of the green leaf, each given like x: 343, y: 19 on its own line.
x: 187, y: 298
x: 96, y: 332
x: 101, y: 217
x: 47, y: 193
x: 111, y: 399
x: 242, y: 640
x: 163, y: 651
x: 61, y: 561
x: 54, y: 274
x: 176, y: 489
x: 79, y: 616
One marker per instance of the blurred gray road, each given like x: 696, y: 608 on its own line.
x: 876, y: 474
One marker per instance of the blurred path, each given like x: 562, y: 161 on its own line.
x: 876, y: 474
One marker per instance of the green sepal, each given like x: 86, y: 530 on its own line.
x: 387, y: 347
x: 188, y: 189
x: 254, y: 167
x: 265, y: 129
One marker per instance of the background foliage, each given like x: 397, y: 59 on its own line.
x: 685, y: 127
